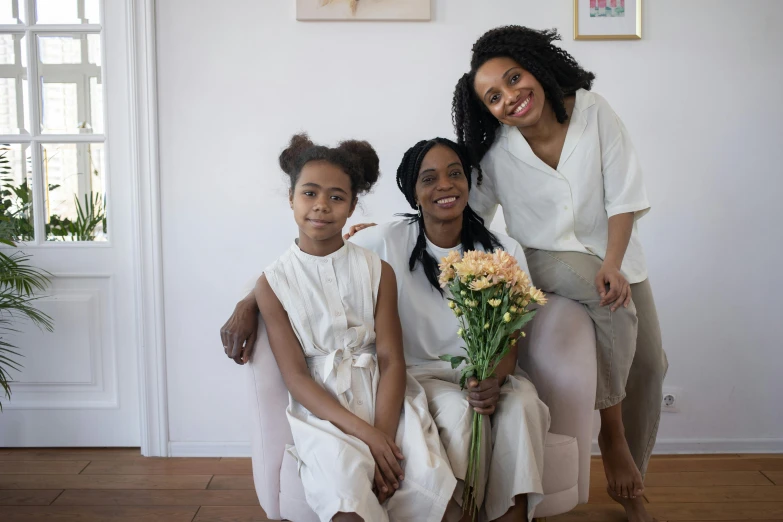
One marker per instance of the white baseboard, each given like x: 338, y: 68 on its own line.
x: 663, y: 447
x: 209, y: 449
x: 706, y: 446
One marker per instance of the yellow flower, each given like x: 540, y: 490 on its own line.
x: 513, y: 309
x: 513, y: 341
x: 452, y: 305
x: 486, y: 326
x: 447, y: 272
x: 460, y: 332
x: 463, y: 293
x: 507, y: 317
x: 480, y: 284
x: 471, y: 302
x: 457, y: 312
x: 537, y: 295
x: 522, y: 334
x: 494, y: 303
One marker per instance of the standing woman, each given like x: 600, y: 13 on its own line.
x: 561, y: 164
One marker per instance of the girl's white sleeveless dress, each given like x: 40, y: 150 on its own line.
x: 330, y: 303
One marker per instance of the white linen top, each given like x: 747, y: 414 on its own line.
x: 330, y: 302
x: 568, y: 208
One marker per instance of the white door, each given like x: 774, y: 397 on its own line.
x: 65, y: 128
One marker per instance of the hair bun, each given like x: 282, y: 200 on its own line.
x: 290, y: 157
x: 368, y: 160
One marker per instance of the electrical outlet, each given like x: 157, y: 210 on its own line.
x: 672, y: 399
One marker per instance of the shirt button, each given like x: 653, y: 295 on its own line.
x: 565, y: 207
x: 361, y: 402
x: 337, y: 314
x: 329, y: 280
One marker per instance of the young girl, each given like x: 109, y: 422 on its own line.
x: 331, y: 313
x: 561, y: 164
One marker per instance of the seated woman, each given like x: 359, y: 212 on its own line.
x: 433, y: 177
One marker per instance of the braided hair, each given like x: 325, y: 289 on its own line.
x: 557, y: 71
x: 356, y: 158
x: 473, y: 229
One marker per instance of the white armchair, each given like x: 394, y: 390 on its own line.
x: 558, y: 355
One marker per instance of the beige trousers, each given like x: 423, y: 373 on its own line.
x: 631, y: 360
x: 512, y: 462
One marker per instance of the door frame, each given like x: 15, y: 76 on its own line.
x: 148, y: 264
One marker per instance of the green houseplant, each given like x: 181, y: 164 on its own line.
x: 20, y: 282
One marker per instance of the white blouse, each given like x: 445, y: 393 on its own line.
x: 568, y: 208
x: 429, y: 327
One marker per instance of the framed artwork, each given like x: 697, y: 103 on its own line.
x: 363, y: 10
x: 607, y: 19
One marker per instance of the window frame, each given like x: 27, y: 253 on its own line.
x: 34, y: 138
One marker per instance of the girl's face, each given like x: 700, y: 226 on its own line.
x: 322, y: 201
x: 442, y: 185
x: 509, y: 92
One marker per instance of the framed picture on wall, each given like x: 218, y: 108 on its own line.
x: 363, y: 10
x: 607, y: 19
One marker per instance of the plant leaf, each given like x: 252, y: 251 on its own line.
x: 455, y: 360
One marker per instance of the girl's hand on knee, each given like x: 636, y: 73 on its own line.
x: 619, y: 292
x: 386, y: 454
x: 483, y: 396
x: 382, y: 489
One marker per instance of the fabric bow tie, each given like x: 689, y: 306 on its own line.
x: 354, y: 337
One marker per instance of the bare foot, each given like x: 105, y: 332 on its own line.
x: 623, y: 476
x: 634, y: 508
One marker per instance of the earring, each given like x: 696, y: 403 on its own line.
x: 419, y: 207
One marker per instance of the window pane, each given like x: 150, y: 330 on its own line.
x: 7, y: 51
x: 60, y: 108
x: 16, y: 194
x: 9, y: 117
x: 96, y: 105
x: 26, y: 105
x: 75, y: 202
x: 60, y: 49
x: 70, y: 77
x: 67, y: 11
x: 13, y: 85
x: 11, y: 11
x: 94, y: 49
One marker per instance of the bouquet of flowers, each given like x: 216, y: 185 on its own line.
x: 490, y: 296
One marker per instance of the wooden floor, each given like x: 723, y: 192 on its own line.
x: 120, y: 485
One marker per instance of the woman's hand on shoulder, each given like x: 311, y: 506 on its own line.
x: 357, y: 228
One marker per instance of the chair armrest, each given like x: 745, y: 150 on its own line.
x: 270, y: 429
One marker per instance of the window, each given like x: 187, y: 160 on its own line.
x: 52, y: 148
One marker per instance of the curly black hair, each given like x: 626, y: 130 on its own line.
x: 473, y: 229
x: 557, y: 71
x: 356, y: 158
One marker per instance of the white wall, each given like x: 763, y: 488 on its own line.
x: 701, y: 95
